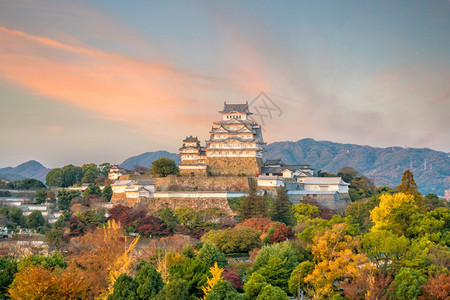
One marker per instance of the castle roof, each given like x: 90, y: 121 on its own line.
x: 241, y: 108
x: 190, y: 139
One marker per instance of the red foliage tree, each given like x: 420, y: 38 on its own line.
x: 368, y: 286
x: 437, y: 287
x: 279, y: 232
x: 152, y: 226
x: 232, y: 276
x: 261, y: 224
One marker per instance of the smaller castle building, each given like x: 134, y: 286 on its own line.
x: 193, y: 157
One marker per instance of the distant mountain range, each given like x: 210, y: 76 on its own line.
x: 30, y: 169
x: 385, y: 166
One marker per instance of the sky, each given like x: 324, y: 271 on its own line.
x: 100, y: 81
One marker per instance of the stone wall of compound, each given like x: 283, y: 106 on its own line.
x: 201, y: 183
x: 234, y: 165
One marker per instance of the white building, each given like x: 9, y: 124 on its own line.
x: 324, y: 184
x: 134, y: 188
x: 115, y: 172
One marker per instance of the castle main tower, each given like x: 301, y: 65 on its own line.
x: 236, y: 144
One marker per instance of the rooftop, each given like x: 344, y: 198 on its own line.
x: 241, y: 108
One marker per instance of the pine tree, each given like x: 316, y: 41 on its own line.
x: 281, y: 208
x: 409, y: 187
x: 253, y: 205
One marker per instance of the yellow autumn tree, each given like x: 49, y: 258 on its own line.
x: 99, y: 257
x: 216, y: 276
x: 38, y: 282
x: 337, y: 258
x: 388, y: 202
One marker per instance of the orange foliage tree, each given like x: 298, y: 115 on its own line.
x: 337, y: 259
x: 98, y: 255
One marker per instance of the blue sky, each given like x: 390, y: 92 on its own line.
x: 96, y: 81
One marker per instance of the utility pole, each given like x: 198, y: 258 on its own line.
x: 298, y: 291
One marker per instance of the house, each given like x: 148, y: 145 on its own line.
x: 133, y: 190
x: 324, y: 184
x: 269, y: 181
x: 275, y: 167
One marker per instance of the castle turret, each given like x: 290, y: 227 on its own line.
x: 193, y: 157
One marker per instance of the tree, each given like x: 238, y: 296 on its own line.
x: 431, y: 202
x: 164, y: 166
x: 379, y: 214
x: 303, y: 212
x: 104, y: 168
x: 8, y: 269
x: 408, y: 186
x: 216, y: 276
x: 210, y: 254
x: 97, y: 255
x: 65, y: 197
x: 90, y: 173
x: 194, y: 271
x: 337, y: 255
x: 189, y: 218
x: 92, y: 189
x: 253, y: 205
x: 70, y: 175
x: 303, y: 269
x: 54, y: 177
x: 175, y: 289
x: 270, y: 292
x: 107, y: 192
x: 40, y: 196
x: 279, y: 232
x: 224, y: 291
x: 35, y: 220
x: 149, y: 282
x: 238, y: 239
x: 260, y: 224
x: 124, y: 288
x: 437, y: 287
x: 384, y: 248
x: 168, y: 216
x: 152, y: 226
x: 254, y: 286
x: 281, y: 208
x: 408, y: 284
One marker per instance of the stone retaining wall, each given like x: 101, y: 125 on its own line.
x: 234, y: 165
x: 201, y: 183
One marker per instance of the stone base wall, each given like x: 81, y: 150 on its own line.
x: 234, y: 165
x: 195, y: 203
x: 201, y: 183
x: 121, y: 198
x: 196, y: 172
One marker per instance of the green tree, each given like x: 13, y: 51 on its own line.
x: 238, y: 239
x: 164, y: 166
x: 107, y: 192
x: 54, y: 177
x: 303, y: 269
x: 40, y: 196
x: 104, y: 168
x: 194, y: 271
x: 431, y: 202
x: 16, y: 216
x: 253, y: 205
x: 175, y: 289
x: 210, y: 254
x: 149, y: 282
x: 92, y: 189
x: 281, y: 208
x: 70, y: 175
x: 189, y: 218
x: 270, y: 292
x: 8, y: 268
x: 303, y: 212
x: 125, y: 288
x: 276, y: 273
x: 223, y: 290
x: 65, y: 197
x: 35, y: 220
x: 169, y: 218
x: 408, y: 284
x: 254, y: 286
x: 384, y: 248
